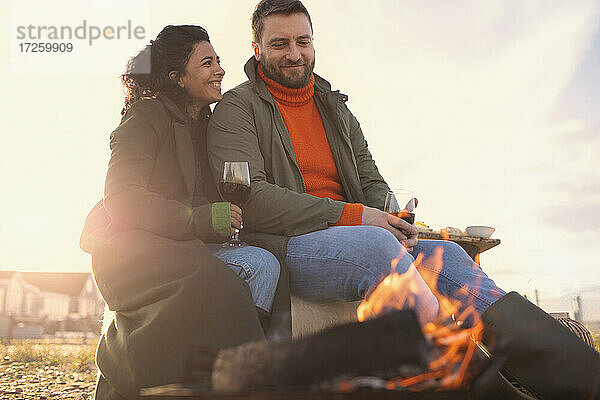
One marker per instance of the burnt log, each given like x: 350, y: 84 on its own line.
x: 389, y: 346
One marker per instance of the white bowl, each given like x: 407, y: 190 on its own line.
x: 480, y: 231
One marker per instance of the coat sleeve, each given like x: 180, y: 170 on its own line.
x: 233, y: 136
x: 372, y: 183
x: 134, y: 146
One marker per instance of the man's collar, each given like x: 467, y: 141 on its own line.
x: 321, y: 85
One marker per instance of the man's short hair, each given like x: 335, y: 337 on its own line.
x: 270, y: 7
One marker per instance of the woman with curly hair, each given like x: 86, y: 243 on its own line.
x: 155, y: 237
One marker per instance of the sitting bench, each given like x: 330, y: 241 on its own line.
x: 309, y: 318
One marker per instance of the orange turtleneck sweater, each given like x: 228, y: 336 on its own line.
x: 311, y: 148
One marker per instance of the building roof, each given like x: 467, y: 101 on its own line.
x: 70, y: 283
x: 6, y: 274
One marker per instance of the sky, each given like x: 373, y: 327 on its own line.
x: 488, y: 110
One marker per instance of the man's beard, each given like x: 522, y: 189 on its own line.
x: 273, y: 72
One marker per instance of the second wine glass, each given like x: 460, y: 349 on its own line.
x: 402, y: 204
x: 235, y: 188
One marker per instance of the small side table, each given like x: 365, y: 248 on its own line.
x: 472, y: 245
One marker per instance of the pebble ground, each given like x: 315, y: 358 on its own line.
x: 50, y: 379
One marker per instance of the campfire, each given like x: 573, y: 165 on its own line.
x: 387, y: 350
x: 453, y: 341
x: 392, y: 352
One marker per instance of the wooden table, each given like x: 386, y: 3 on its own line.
x: 472, y: 245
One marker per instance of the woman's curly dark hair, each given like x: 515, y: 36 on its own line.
x: 147, y: 73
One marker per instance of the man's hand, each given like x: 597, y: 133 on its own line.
x: 236, y: 216
x: 404, y: 232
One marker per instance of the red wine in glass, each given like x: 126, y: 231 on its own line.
x: 235, y: 188
x: 235, y: 192
x: 401, y: 203
x: 405, y: 215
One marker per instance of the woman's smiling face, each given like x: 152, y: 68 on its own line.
x: 203, y: 75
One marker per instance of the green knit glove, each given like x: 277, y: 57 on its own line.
x: 220, y: 213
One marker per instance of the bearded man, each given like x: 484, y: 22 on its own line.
x: 314, y: 180
x: 315, y: 184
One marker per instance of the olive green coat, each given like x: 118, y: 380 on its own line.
x: 247, y: 126
x: 168, y: 291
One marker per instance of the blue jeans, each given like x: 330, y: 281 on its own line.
x: 258, y: 267
x: 345, y: 262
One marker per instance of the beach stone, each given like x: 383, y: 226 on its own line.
x: 41, y: 380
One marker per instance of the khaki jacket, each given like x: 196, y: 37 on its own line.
x: 247, y: 126
x: 151, y: 176
x: 169, y: 292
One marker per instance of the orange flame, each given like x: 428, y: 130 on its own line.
x: 396, y: 291
x: 457, y: 344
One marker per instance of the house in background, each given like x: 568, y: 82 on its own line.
x: 65, y: 295
x: 17, y: 297
x: 56, y: 300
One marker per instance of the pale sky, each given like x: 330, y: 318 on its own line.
x: 488, y: 110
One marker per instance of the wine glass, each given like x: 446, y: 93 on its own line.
x: 235, y: 188
x: 402, y: 204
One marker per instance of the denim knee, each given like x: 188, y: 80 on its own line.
x: 381, y: 252
x: 256, y: 266
x: 260, y: 266
x: 269, y: 268
x: 343, y: 262
x: 263, y: 283
x: 459, y: 277
x: 453, y: 251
